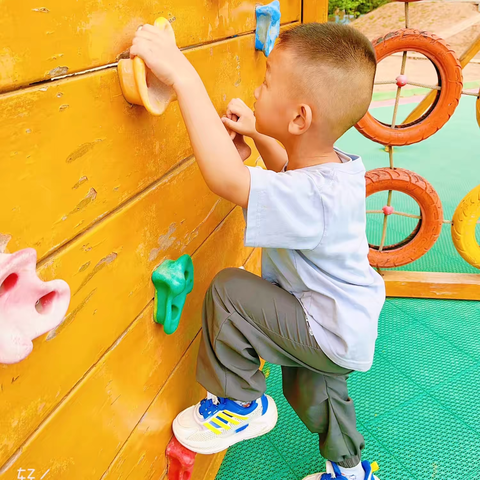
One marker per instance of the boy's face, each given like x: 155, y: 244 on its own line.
x: 274, y: 96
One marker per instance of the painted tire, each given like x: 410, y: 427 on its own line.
x: 429, y: 227
x: 464, y: 222
x: 449, y: 76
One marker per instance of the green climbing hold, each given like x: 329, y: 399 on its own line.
x: 173, y: 281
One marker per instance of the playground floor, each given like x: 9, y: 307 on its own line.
x: 418, y: 407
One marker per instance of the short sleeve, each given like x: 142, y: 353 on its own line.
x: 285, y: 210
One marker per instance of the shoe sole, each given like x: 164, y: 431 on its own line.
x: 260, y: 426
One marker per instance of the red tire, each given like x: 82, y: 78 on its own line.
x: 449, y: 78
x: 429, y: 227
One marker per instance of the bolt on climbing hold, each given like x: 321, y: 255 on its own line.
x: 173, y: 281
x: 401, y: 80
x: 140, y: 86
x: 268, y: 27
x: 180, y: 461
x: 29, y: 307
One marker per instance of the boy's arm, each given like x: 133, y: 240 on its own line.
x: 218, y: 159
x: 273, y: 154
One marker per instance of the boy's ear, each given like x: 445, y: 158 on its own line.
x: 302, y: 120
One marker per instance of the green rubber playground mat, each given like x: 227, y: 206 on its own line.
x: 418, y: 406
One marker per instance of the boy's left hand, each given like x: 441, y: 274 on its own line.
x: 238, y: 140
x: 158, y: 49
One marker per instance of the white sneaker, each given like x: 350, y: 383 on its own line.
x: 215, y: 424
x: 333, y: 471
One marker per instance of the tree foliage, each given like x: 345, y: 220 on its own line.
x: 354, y: 7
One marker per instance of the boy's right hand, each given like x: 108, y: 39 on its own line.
x: 245, y: 125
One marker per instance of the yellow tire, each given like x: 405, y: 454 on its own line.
x: 463, y: 228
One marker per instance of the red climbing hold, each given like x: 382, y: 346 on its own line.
x: 401, y: 80
x: 180, y: 461
x: 387, y: 210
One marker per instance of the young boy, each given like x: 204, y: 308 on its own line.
x: 316, y: 309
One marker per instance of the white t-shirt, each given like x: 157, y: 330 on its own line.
x: 311, y: 224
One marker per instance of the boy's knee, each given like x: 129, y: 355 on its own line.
x: 228, y: 280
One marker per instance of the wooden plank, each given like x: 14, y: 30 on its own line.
x: 64, y: 168
x: 459, y: 286
x: 110, y: 401
x: 315, y: 11
x: 254, y: 263
x: 144, y: 449
x: 66, y: 37
x: 108, y: 270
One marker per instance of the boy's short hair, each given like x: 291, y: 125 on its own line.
x: 337, y: 66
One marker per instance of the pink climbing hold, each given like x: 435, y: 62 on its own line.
x: 387, y: 210
x: 180, y: 461
x: 29, y: 307
x: 401, y: 80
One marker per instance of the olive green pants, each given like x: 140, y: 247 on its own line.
x: 245, y: 318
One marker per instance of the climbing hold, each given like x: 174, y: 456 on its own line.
x: 401, y: 80
x: 388, y: 210
x: 180, y: 461
x: 268, y: 27
x: 173, y: 281
x: 29, y: 307
x: 375, y: 467
x: 140, y: 86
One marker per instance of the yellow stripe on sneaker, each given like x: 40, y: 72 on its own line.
x: 216, y: 431
x: 220, y: 423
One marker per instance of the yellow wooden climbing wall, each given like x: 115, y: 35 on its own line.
x: 105, y: 192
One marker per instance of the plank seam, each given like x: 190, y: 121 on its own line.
x: 183, y: 164
x: 151, y: 403
x: 124, y: 54
x: 72, y: 391
x: 84, y: 377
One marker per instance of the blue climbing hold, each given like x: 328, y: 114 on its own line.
x: 268, y: 27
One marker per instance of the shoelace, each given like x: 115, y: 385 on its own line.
x: 209, y: 405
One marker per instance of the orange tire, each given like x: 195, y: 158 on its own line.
x: 449, y: 78
x: 429, y: 227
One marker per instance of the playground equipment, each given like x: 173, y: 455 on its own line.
x: 427, y: 118
x: 173, y: 281
x: 105, y: 192
x: 140, y: 86
x: 29, y: 307
x: 268, y: 26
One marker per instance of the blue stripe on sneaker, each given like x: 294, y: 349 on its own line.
x: 368, y: 470
x: 264, y: 404
x: 241, y: 428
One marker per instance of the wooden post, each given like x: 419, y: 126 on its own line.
x: 315, y: 11
x: 425, y: 104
